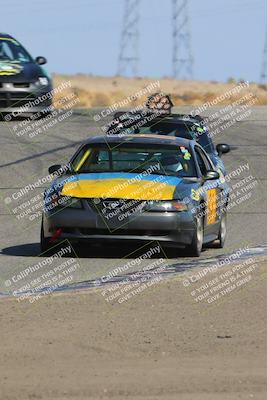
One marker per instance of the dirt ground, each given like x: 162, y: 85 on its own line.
x: 161, y: 344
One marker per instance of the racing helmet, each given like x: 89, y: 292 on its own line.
x: 172, y: 163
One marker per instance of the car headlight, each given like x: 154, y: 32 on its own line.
x: 42, y: 80
x: 56, y: 201
x: 168, y: 206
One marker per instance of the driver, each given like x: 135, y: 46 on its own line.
x: 172, y: 163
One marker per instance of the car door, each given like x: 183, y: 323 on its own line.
x: 211, y: 193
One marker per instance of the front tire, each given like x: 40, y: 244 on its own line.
x: 219, y: 243
x: 195, y: 248
x: 44, y: 242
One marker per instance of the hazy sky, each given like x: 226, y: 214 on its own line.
x: 84, y: 35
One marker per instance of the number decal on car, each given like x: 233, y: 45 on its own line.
x: 212, y: 206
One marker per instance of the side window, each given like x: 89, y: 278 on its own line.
x: 203, y: 161
x: 207, y: 161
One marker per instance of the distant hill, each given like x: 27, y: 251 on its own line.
x: 94, y: 91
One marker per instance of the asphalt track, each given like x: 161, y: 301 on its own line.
x: 25, y: 159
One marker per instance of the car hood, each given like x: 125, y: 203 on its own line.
x: 14, y: 72
x: 121, y: 185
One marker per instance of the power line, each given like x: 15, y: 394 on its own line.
x: 128, y: 55
x: 264, y: 61
x: 182, y: 54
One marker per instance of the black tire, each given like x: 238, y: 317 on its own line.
x: 43, y: 115
x: 195, y: 248
x: 220, y: 241
x: 44, y: 242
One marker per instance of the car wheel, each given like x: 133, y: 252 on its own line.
x: 219, y: 243
x: 195, y: 248
x: 43, y: 115
x: 44, y: 242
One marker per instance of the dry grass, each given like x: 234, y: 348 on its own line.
x: 94, y: 91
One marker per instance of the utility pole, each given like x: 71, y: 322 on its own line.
x: 263, y: 77
x: 182, y: 53
x: 128, y: 56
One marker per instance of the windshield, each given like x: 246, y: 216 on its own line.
x: 12, y: 51
x: 162, y: 160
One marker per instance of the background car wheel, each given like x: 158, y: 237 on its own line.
x: 195, y: 248
x: 44, y: 114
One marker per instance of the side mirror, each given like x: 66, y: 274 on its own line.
x: 223, y: 148
x: 54, y: 168
x: 41, y: 60
x: 211, y: 176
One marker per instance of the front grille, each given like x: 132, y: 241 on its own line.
x: 116, y: 212
x: 127, y: 232
x: 21, y: 85
x: 18, y: 99
x: 15, y: 99
x: 3, y: 100
x: 68, y: 230
x: 104, y: 206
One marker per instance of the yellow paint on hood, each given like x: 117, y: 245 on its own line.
x: 119, y: 188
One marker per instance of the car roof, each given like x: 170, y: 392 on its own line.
x: 141, y: 139
x: 5, y: 35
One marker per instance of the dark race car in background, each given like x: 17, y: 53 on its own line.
x: 25, y: 86
x: 159, y: 121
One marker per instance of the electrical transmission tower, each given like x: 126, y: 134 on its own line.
x: 263, y: 77
x: 128, y: 55
x: 182, y: 54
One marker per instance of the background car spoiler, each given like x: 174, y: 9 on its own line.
x: 120, y: 117
x: 158, y: 105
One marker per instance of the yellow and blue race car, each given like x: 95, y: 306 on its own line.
x: 139, y: 187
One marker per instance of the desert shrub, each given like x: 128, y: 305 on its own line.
x: 100, y: 99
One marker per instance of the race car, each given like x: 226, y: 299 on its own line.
x: 25, y: 86
x: 157, y: 119
x: 137, y: 188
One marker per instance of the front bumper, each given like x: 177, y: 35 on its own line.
x: 23, y: 98
x: 81, y: 225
